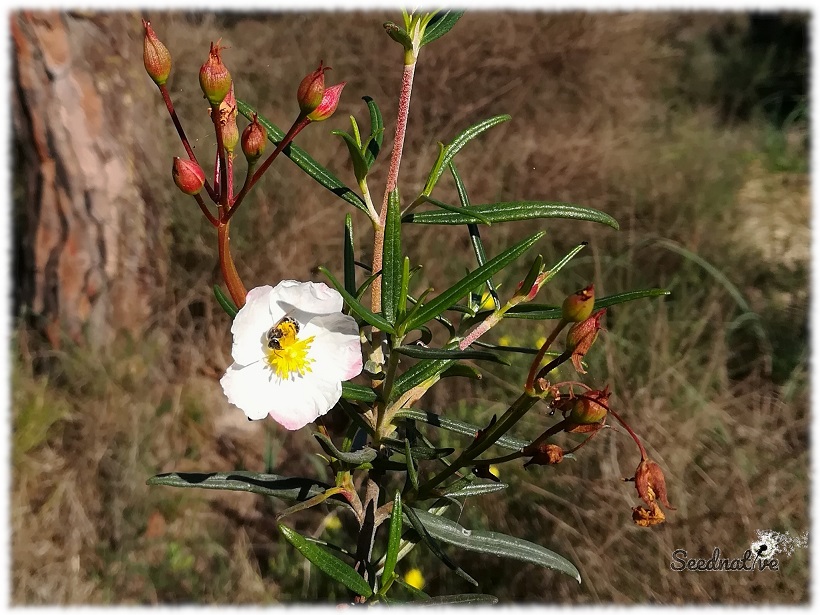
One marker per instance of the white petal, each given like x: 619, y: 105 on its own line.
x: 250, y: 326
x: 312, y: 297
x: 336, y: 349
x: 251, y: 388
x: 303, y: 400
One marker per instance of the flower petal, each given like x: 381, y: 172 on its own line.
x: 250, y: 388
x: 313, y: 297
x: 303, y: 400
x: 250, y: 326
x: 336, y: 349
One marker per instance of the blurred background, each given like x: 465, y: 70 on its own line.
x: 691, y: 129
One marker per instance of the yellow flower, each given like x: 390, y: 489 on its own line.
x: 495, y: 471
x: 540, y: 341
x: 414, y: 578
x: 333, y: 523
x: 504, y: 341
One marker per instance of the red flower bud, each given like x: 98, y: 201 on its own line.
x: 544, y: 454
x: 311, y: 90
x: 155, y: 56
x: 577, y: 307
x: 580, y: 337
x: 214, y: 78
x: 188, y: 176
x: 330, y: 100
x: 227, y: 122
x: 254, y: 140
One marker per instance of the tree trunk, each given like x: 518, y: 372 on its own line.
x: 86, y: 262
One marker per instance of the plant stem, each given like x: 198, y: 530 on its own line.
x: 536, y: 363
x: 205, y: 211
x: 392, y: 176
x: 294, y: 130
x: 631, y: 433
x: 220, y: 166
x: 178, y: 125
x: 226, y: 265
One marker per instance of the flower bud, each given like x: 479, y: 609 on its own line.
x: 581, y: 336
x: 227, y: 122
x: 590, y: 408
x: 254, y: 140
x: 188, y: 176
x: 650, y: 483
x: 155, y: 56
x: 578, y: 306
x: 214, y: 78
x: 311, y: 90
x: 330, y: 100
x: 544, y: 454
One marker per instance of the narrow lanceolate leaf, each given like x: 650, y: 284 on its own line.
x: 455, y: 147
x: 411, y: 465
x: 361, y: 311
x: 405, y: 284
x: 356, y: 157
x: 452, y: 208
x: 476, y: 489
x: 284, y: 487
x: 411, y: 517
x: 327, y: 563
x: 376, y: 131
x: 454, y: 425
x: 225, y: 302
x: 419, y: 373
x: 420, y: 352
x: 539, y: 311
x: 456, y: 292
x: 493, y: 543
x: 440, y: 25
x: 394, y: 538
x: 392, y: 259
x: 363, y: 455
x: 457, y: 599
x: 304, y: 161
x: 475, y: 235
x: 511, y: 211
x: 563, y: 262
x: 349, y: 257
x: 357, y: 392
x: 461, y: 370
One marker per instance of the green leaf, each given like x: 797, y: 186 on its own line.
x: 411, y: 465
x: 349, y: 257
x: 365, y: 314
x: 476, y: 216
x: 398, y: 34
x: 458, y: 599
x: 510, y: 211
x: 449, y: 297
x: 467, y: 429
x: 493, y: 543
x: 363, y: 455
x: 413, y: 518
x: 539, y: 311
x: 455, y: 147
x: 356, y: 156
x: 394, y: 539
x: 419, y: 373
x: 405, y: 283
x: 475, y: 235
x: 420, y: 352
x: 304, y: 161
x: 392, y: 260
x: 284, y: 487
x: 440, y: 25
x: 327, y: 563
x: 224, y: 302
x: 374, y: 145
x: 461, y: 370
x: 357, y: 392
x: 475, y: 489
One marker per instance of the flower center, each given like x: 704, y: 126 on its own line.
x: 288, y: 355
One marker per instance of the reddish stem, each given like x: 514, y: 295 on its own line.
x: 205, y: 211
x: 392, y: 177
x: 295, y: 129
x: 631, y: 433
x: 220, y: 156
x: 175, y: 119
x: 226, y: 265
x: 529, y: 387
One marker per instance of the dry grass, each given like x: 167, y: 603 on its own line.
x: 594, y: 122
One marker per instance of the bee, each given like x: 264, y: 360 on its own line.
x: 279, y: 330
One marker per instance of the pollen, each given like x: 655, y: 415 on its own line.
x: 291, y: 358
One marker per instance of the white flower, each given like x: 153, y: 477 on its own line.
x: 292, y: 349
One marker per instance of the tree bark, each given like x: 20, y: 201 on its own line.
x: 86, y: 259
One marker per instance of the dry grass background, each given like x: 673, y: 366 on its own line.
x: 616, y: 111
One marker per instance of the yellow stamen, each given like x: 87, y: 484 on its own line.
x: 292, y: 356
